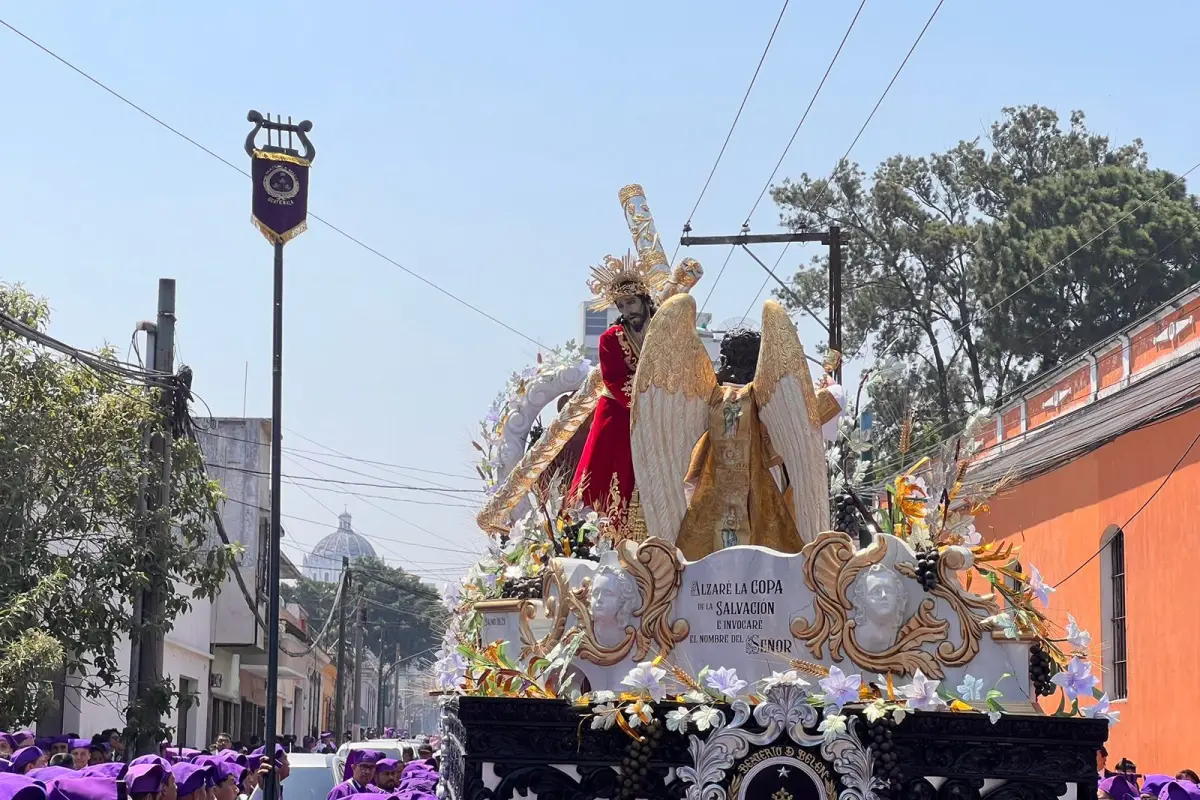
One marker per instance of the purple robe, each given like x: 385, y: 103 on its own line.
x: 349, y: 788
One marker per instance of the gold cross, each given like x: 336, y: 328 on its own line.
x: 782, y: 794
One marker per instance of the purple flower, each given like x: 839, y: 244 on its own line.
x: 840, y: 688
x: 1076, y: 679
x: 725, y: 681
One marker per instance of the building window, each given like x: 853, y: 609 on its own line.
x: 1116, y: 552
x: 595, y: 322
x: 1115, y: 654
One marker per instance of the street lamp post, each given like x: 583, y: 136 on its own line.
x: 279, y: 175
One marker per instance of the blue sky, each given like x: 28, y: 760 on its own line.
x: 481, y: 145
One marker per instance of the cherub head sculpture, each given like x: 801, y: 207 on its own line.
x: 880, y: 604
x: 613, y: 599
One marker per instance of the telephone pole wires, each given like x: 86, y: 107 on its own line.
x: 355, y: 702
x: 339, y: 713
x: 146, y: 651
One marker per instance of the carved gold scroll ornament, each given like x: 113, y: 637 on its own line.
x: 657, y: 568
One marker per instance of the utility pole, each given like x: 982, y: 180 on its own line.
x: 829, y: 238
x: 147, y: 652
x: 358, y: 663
x: 339, y: 713
x: 835, y: 296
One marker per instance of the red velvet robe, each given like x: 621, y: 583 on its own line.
x: 607, y: 451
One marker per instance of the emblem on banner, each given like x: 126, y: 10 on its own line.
x: 281, y: 185
x: 280, y: 178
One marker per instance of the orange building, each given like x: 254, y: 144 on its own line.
x: 1103, y: 468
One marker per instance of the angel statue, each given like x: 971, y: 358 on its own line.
x: 729, y: 463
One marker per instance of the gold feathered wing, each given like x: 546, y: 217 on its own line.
x: 672, y: 389
x: 788, y: 409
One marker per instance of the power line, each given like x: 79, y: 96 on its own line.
x: 1041, y: 377
x: 813, y: 100
x: 737, y: 116
x: 857, y: 136
x: 231, y: 165
x: 1141, y: 508
x: 339, y: 454
x: 787, y: 147
x: 356, y: 530
x: 97, y: 363
x: 387, y: 511
x: 354, y: 483
x: 385, y: 465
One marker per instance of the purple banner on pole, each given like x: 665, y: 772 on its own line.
x: 280, y: 209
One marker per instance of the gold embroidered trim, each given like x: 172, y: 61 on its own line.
x: 627, y: 349
x: 269, y: 156
x: 276, y: 238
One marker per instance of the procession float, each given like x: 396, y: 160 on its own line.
x: 722, y: 628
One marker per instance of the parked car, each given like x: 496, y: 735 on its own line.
x: 311, y: 777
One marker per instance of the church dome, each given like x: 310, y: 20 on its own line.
x: 324, y: 563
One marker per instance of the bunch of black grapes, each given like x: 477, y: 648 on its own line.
x: 527, y: 588
x: 1041, y: 670
x: 886, y: 760
x: 927, y: 568
x: 635, y: 766
x: 845, y: 514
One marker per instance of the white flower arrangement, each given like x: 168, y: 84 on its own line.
x: 648, y: 683
x: 558, y: 361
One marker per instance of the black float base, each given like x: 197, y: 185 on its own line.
x: 501, y: 748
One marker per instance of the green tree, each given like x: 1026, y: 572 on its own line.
x: 405, y: 618
x: 74, y: 547
x: 935, y: 241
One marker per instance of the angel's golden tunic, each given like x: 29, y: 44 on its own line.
x: 678, y: 402
x: 736, y: 499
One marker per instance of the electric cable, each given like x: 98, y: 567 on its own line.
x: 466, y: 304
x: 791, y: 141
x: 857, y: 136
x: 736, y: 117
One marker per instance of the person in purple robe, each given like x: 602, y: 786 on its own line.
x: 189, y: 781
x: 81, y: 753
x: 24, y: 738
x: 360, y: 770
x: 229, y: 780
x: 8, y: 743
x: 1178, y: 790
x: 98, y: 751
x: 18, y: 787
x: 76, y: 788
x: 5, y: 766
x: 47, y: 774
x: 418, y: 776
x: 387, y: 775
x: 1153, y: 783
x: 150, y: 780
x: 109, y: 769
x: 1117, y: 787
x: 28, y: 758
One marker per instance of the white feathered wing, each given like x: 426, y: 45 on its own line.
x: 670, y: 406
x: 787, y: 406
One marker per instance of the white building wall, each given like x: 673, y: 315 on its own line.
x: 245, y: 444
x: 181, y: 660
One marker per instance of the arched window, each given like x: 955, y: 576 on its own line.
x: 1112, y: 606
